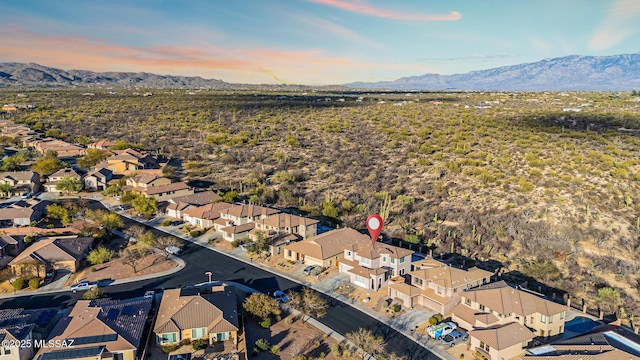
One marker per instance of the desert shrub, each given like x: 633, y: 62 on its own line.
x: 236, y: 243
x: 29, y: 239
x: 275, y: 350
x: 34, y: 283
x: 195, y: 233
x: 199, y: 344
x: 322, y: 355
x: 433, y: 321
x: 93, y: 293
x: 336, y: 350
x: 169, y: 348
x: 397, y: 308
x: 93, y: 269
x: 438, y: 317
x: 346, y: 353
x: 166, y: 223
x: 386, y: 303
x: 316, y: 343
x: 266, y: 323
x: 263, y: 344
x: 18, y: 284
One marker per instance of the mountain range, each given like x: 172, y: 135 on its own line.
x: 608, y: 73
x: 616, y: 72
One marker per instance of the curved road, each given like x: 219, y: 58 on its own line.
x: 340, y: 317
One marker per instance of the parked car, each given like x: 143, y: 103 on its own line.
x: 83, y: 285
x: 149, y: 294
x: 309, y: 269
x: 176, y: 222
x: 454, y: 337
x: 439, y: 330
x: 50, y: 275
x: 26, y: 196
x: 173, y: 250
x: 280, y: 296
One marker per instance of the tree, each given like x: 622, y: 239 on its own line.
x: 131, y: 257
x: 366, y: 342
x: 261, y: 244
x: 545, y: 272
x: 6, y: 189
x: 68, y: 185
x: 93, y: 293
x: 329, y: 209
x: 608, y: 299
x: 261, y: 305
x: 309, y: 303
x: 92, y: 158
x: 135, y: 231
x: 230, y: 196
x: 48, y: 164
x: 12, y: 163
x: 145, y: 205
x: 100, y: 255
x: 112, y: 190
x: 107, y: 219
x: 147, y: 239
x: 62, y: 213
x: 164, y: 242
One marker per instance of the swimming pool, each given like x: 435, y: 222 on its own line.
x: 578, y: 325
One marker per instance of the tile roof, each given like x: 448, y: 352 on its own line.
x: 366, y: 272
x: 503, y: 336
x: 370, y: 250
x: 406, y: 289
x: 208, y: 212
x: 283, y: 220
x: 328, y: 244
x: 471, y: 315
x: 10, y: 240
x: 166, y: 188
x: 11, y: 213
x: 248, y: 210
x: 447, y: 276
x: 65, y: 172
x: 18, y: 175
x: 54, y: 249
x: 506, y: 300
x: 237, y: 229
x: 145, y: 178
x: 180, y: 311
x: 199, y: 198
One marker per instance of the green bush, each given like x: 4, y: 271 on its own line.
x: 49, y: 226
x: 397, y: 308
x: 263, y: 344
x: 386, y: 303
x: 322, y: 355
x: 199, y: 344
x: 433, y: 321
x: 255, y: 351
x: 275, y: 350
x: 18, y: 284
x: 195, y: 233
x: 236, y: 243
x: 93, y: 293
x: 169, y: 348
x: 266, y: 323
x: 29, y: 239
x: 438, y: 317
x: 166, y: 223
x: 93, y: 269
x: 34, y: 283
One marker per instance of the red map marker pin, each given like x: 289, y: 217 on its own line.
x: 374, y: 224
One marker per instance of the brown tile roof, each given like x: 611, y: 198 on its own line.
x: 10, y: 240
x: 65, y: 172
x: 102, y: 143
x: 216, y: 311
x: 130, y: 152
x: 144, y: 178
x: 165, y: 188
x: 503, y: 336
x: 208, y: 212
x: 506, y: 300
x: 237, y: 229
x: 370, y: 250
x: 55, y: 249
x: 283, y: 220
x: 406, y: 289
x: 471, y: 315
x: 245, y: 210
x: 18, y: 175
x: 365, y: 272
x: 15, y: 213
x: 447, y: 276
x: 199, y: 198
x: 101, y: 173
x: 329, y: 244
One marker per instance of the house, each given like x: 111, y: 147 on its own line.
x: 204, y: 216
x: 239, y: 214
x: 100, y: 329
x: 499, y: 304
x: 101, y: 145
x: 62, y: 148
x: 289, y: 224
x: 22, y: 181
x: 179, y: 204
x: 98, y: 179
x: 20, y: 329
x: 141, y: 182
x: 166, y: 192
x: 324, y: 250
x: 436, y: 285
x: 501, y: 341
x: 237, y: 232
x: 58, y: 252
x: 23, y: 212
x: 370, y: 264
x: 602, y: 343
x: 50, y: 185
x: 185, y: 315
x: 128, y: 161
x: 10, y: 247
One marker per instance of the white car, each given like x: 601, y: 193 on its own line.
x: 440, y: 330
x: 83, y: 285
x: 173, y: 250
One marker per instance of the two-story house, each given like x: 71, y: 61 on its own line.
x: 239, y: 214
x: 205, y: 216
x: 129, y: 161
x: 141, y: 182
x: 100, y: 329
x: 10, y: 247
x: 189, y: 315
x: 324, y: 250
x: 370, y: 264
x: 494, y: 307
x: 436, y: 285
x: 22, y: 181
x: 283, y: 223
x: 176, y: 205
x: 98, y: 180
x: 50, y: 185
x: 23, y: 212
x: 166, y: 192
x: 20, y: 328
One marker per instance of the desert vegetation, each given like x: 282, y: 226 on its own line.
x: 551, y: 194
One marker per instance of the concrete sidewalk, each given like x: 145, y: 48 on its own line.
x: 403, y: 328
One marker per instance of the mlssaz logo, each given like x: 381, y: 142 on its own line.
x: 53, y: 343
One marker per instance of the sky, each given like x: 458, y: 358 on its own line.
x: 313, y: 42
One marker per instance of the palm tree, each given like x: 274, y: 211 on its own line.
x: 68, y: 184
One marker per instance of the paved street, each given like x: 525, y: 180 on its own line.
x: 340, y: 317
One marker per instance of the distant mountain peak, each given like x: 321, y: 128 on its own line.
x: 573, y: 72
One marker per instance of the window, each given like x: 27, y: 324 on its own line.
x: 439, y: 291
x: 543, y: 318
x: 481, y: 307
x: 418, y: 281
x: 562, y: 315
x: 365, y: 261
x: 222, y: 336
x: 348, y: 253
x: 467, y: 301
x: 393, y: 261
x: 484, y: 346
x: 167, y: 338
x: 198, y: 333
x: 359, y: 278
x: 524, y: 344
x: 384, y: 258
x: 550, y: 319
x: 401, y: 260
x: 7, y: 351
x: 118, y: 356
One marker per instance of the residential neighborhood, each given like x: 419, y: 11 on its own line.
x: 99, y: 230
